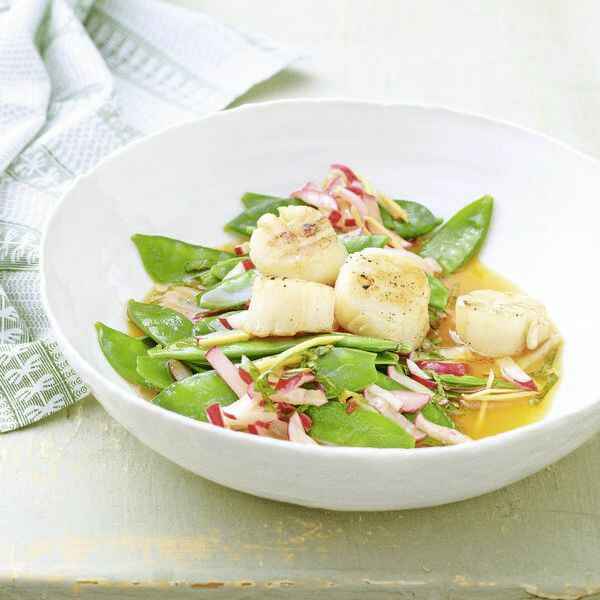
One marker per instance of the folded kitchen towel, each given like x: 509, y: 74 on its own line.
x: 78, y: 80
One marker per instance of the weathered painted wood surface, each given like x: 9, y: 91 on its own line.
x: 88, y: 512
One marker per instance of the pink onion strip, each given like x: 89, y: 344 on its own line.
x: 296, y: 431
x: 444, y: 368
x: 215, y: 416
x: 512, y: 372
x: 380, y: 404
x: 349, y: 174
x: 407, y: 382
x: 312, y: 194
x: 416, y: 370
x: 227, y: 370
x: 446, y: 435
x: 290, y: 384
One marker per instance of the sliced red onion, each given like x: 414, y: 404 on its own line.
x: 354, y: 199
x: 296, y: 431
x: 372, y: 207
x: 432, y: 385
x: 334, y: 217
x: 444, y: 368
x: 247, y: 410
x: 291, y: 383
x: 349, y: 174
x: 512, y: 372
x: 214, y: 413
x: 407, y: 382
x: 246, y: 377
x: 227, y: 370
x: 306, y: 421
x: 300, y: 396
x: 314, y: 195
x: 225, y: 322
x: 416, y: 370
x: 333, y: 183
x: 446, y: 435
x: 237, y: 320
x: 178, y: 370
x: 242, y: 249
x: 380, y: 404
x: 400, y: 400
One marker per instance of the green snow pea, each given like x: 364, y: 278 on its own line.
x: 470, y: 381
x: 431, y: 411
x: 343, y: 369
x: 387, y: 358
x: 230, y: 293
x: 163, y: 325
x: 460, y: 238
x: 360, y: 242
x: 121, y: 351
x: 363, y: 427
x: 420, y: 220
x: 439, y: 293
x: 207, y: 279
x: 167, y: 260
x: 192, y: 395
x: 154, y: 371
x: 245, y: 223
x: 188, y: 350
x: 221, y: 269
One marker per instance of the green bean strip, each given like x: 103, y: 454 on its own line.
x: 167, y: 260
x: 460, y: 238
x: 188, y: 350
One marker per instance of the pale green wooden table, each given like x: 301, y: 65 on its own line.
x: 87, y: 511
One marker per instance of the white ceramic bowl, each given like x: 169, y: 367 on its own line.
x: 187, y: 181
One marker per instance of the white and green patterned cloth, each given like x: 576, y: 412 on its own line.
x: 78, y: 80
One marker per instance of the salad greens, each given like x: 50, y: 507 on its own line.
x: 203, y: 358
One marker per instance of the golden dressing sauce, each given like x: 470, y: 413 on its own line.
x: 494, y: 417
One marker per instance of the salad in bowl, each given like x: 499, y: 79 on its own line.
x: 341, y: 317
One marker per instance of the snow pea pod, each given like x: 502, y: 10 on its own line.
x: 460, y: 238
x: 387, y: 358
x: 207, y: 280
x: 163, y: 325
x: 192, y: 395
x: 363, y: 427
x: 360, y: 242
x: 470, y: 381
x: 420, y: 220
x: 439, y: 293
x: 154, y: 371
x: 431, y: 411
x: 245, y: 223
x: 167, y: 260
x: 223, y: 267
x: 230, y: 293
x: 188, y: 350
x: 345, y: 369
x: 122, y: 351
